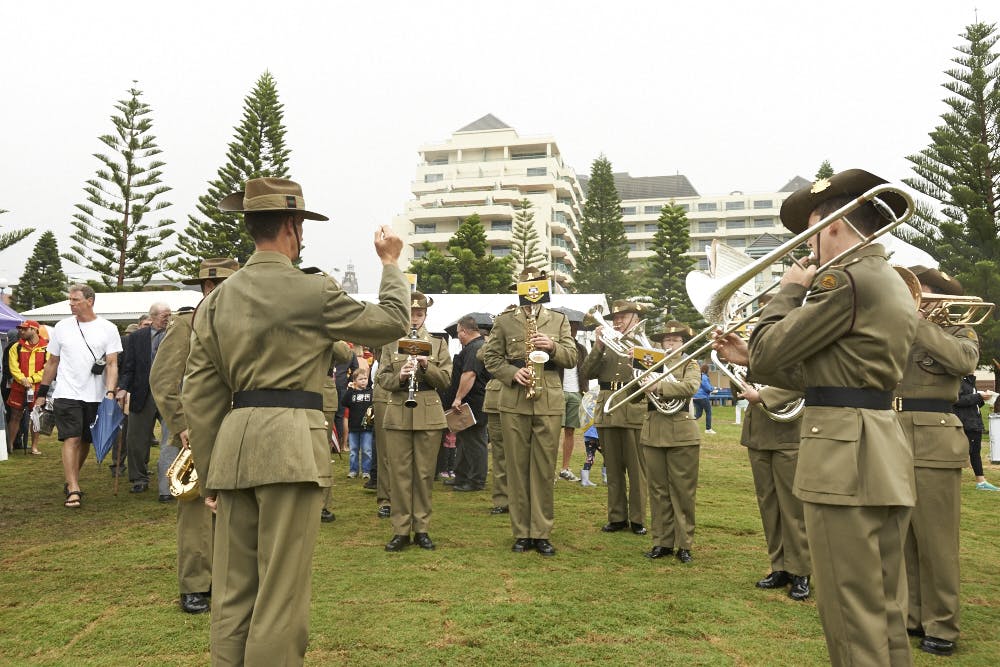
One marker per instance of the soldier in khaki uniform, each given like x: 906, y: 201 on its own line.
x: 341, y: 354
x: 845, y: 347
x: 413, y: 435
x: 939, y: 358
x: 530, y: 427
x: 670, y: 450
x: 773, y: 448
x: 257, y: 434
x: 380, y: 398
x: 491, y: 406
x: 194, y: 517
x: 619, y: 431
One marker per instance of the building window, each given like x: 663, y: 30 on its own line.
x: 631, y: 229
x: 438, y: 160
x: 703, y: 264
x: 762, y: 203
x: 654, y: 210
x: 425, y: 228
x: 433, y: 178
x: 500, y: 250
x: 537, y: 171
x: 633, y: 245
x: 527, y: 156
x: 736, y: 224
x: 708, y: 206
x: 763, y: 222
x: 628, y: 210
x: 735, y: 205
x: 500, y: 225
x: 706, y: 227
x: 419, y: 253
x: 737, y: 243
x: 705, y: 245
x: 651, y: 228
x: 685, y: 207
x: 559, y: 216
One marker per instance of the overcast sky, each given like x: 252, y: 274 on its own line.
x: 735, y: 95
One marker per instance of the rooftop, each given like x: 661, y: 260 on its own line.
x: 487, y: 122
x: 648, y: 187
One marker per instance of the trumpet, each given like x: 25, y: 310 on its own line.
x: 715, y: 301
x: 738, y: 376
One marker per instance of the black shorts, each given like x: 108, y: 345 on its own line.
x: 73, y: 418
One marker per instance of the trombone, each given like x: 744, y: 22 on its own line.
x: 713, y: 300
x: 738, y: 375
x: 948, y: 310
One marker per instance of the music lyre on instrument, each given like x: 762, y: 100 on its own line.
x: 713, y: 296
x: 412, y: 346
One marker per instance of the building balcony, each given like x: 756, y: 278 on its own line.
x: 453, y: 213
x: 556, y: 251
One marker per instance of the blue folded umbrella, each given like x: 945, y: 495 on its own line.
x: 106, y: 425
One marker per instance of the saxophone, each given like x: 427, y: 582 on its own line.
x: 533, y: 359
x: 182, y: 476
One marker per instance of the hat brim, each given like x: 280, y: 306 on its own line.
x: 234, y: 204
x: 198, y: 281
x: 796, y: 210
x: 939, y: 284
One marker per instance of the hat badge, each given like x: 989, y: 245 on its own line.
x: 820, y: 185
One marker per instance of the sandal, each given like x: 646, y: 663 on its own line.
x: 73, y: 502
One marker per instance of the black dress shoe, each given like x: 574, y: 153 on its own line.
x: 398, y: 543
x: 614, y: 526
x: 915, y: 632
x: 465, y: 487
x: 500, y: 509
x: 370, y: 484
x: 523, y: 544
x: 800, y: 588
x: 165, y: 498
x: 194, y: 603
x: 545, y: 548
x: 423, y: 540
x: 326, y: 516
x: 384, y: 511
x: 449, y: 482
x: 777, y: 579
x: 139, y: 487
x: 638, y: 528
x: 684, y: 555
x: 659, y: 552
x: 937, y: 646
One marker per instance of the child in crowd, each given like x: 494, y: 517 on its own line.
x: 358, y: 401
x: 446, y: 458
x: 592, y: 446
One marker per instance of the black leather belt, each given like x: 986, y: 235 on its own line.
x: 687, y: 406
x: 921, y: 405
x: 848, y: 397
x: 612, y: 386
x: 519, y: 363
x: 278, y: 398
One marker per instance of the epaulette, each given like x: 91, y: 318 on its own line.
x: 311, y: 270
x: 185, y: 309
x: 508, y: 309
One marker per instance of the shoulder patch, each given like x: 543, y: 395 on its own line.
x: 971, y: 335
x: 828, y: 281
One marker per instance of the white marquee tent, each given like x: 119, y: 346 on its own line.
x: 119, y: 307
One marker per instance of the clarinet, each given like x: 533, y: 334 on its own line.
x: 411, y: 398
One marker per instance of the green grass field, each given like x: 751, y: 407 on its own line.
x: 98, y: 586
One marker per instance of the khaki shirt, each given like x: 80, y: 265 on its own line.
x: 167, y: 372
x: 678, y: 429
x: 287, y: 323
x: 938, y: 360
x: 428, y: 413
x: 507, y: 343
x: 763, y: 433
x: 605, y: 366
x: 854, y: 330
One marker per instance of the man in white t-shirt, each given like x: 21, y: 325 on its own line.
x: 77, y: 344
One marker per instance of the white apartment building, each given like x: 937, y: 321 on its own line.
x: 486, y: 168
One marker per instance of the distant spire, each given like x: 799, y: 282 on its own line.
x: 350, y: 284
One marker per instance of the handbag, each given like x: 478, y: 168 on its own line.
x: 98, y: 367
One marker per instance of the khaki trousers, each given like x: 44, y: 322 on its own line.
x: 194, y: 546
x: 622, y: 457
x: 857, y: 557
x: 932, y: 571
x: 262, y: 574
x: 673, y: 482
x: 495, y: 435
x: 530, y: 443
x: 781, y: 512
x: 412, y: 460
x: 382, y: 484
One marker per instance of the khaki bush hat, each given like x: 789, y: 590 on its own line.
x: 795, y: 210
x: 216, y: 268
x: 939, y: 281
x: 626, y: 306
x: 269, y: 194
x: 420, y: 300
x: 670, y: 328
x: 528, y: 275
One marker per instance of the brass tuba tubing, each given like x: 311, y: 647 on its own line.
x: 715, y: 309
x: 737, y: 375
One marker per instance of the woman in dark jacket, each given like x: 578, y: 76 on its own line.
x: 967, y: 408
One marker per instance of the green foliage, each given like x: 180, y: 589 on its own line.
x: 602, y: 257
x: 825, y: 170
x: 468, y: 268
x: 469, y: 602
x: 112, y: 237
x: 667, y: 269
x: 959, y: 169
x: 525, y: 249
x: 7, y: 239
x: 43, y: 281
x: 257, y: 150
